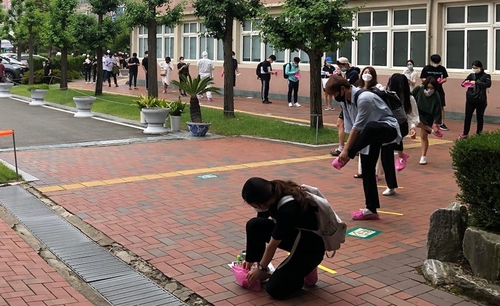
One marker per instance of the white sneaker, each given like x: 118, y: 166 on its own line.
x: 423, y: 160
x: 163, y: 91
x: 86, y: 82
x: 290, y: 104
x: 389, y: 192
x: 297, y: 104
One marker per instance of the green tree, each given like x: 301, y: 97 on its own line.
x: 57, y: 34
x: 315, y: 27
x: 145, y: 13
x: 218, y: 17
x: 101, y: 8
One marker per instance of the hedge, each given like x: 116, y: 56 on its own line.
x: 39, y: 76
x: 476, y: 162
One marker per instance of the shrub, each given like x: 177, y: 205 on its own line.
x: 477, y: 171
x: 74, y: 62
x: 39, y: 76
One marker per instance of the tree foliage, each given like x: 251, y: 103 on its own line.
x: 315, y: 27
x: 146, y: 13
x: 218, y: 17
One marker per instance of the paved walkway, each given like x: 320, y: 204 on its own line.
x: 150, y: 198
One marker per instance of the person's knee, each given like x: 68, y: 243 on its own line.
x: 278, y: 292
x: 254, y: 224
x: 340, y: 124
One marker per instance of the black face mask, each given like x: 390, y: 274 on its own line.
x: 340, y: 98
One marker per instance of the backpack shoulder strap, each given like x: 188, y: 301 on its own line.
x: 356, y: 96
x: 284, y: 200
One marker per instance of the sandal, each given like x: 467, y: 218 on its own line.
x: 358, y: 175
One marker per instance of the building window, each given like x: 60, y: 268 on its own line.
x: 164, y: 42
x: 143, y: 41
x: 251, y: 43
x: 408, y: 37
x: 207, y: 43
x: 190, y: 40
x: 280, y: 55
x: 467, y: 32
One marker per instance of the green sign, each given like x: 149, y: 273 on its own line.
x: 207, y: 176
x: 363, y: 232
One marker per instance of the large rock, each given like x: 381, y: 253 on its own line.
x: 482, y: 250
x: 446, y: 232
x: 439, y: 273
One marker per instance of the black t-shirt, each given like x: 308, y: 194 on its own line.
x: 329, y: 69
x: 184, y: 71
x: 437, y: 72
x: 145, y: 63
x: 133, y: 68
x: 266, y: 67
x: 47, y: 69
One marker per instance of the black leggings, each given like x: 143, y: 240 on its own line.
x: 469, y: 111
x: 293, y: 86
x: 374, y: 134
x: 387, y: 158
x: 288, y: 278
x: 132, y: 77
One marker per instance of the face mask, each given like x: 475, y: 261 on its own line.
x: 367, y: 77
x: 343, y: 69
x: 259, y: 210
x: 476, y: 70
x: 340, y: 98
x: 429, y: 91
x: 410, y: 67
x: 435, y: 65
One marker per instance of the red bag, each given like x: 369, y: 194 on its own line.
x: 241, y: 278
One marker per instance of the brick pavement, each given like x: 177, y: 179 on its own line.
x: 26, y: 279
x: 190, y: 228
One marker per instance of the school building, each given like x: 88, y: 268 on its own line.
x: 393, y: 32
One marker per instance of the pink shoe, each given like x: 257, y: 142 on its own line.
x: 437, y: 132
x: 401, y: 162
x: 312, y: 278
x: 462, y: 136
x: 360, y: 215
x: 210, y: 100
x: 337, y: 164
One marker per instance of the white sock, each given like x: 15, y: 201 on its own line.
x: 340, y: 148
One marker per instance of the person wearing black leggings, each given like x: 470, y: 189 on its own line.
x: 370, y: 125
x: 265, y: 235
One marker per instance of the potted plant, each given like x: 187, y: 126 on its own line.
x: 38, y: 93
x: 5, y: 89
x: 195, y: 87
x: 176, y: 109
x: 155, y: 111
x: 83, y: 106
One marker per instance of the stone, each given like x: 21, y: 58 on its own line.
x: 446, y: 233
x: 482, y: 250
x: 477, y: 289
x: 439, y: 273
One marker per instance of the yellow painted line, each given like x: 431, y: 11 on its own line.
x: 389, y: 213
x: 384, y: 186
x: 321, y: 267
x: 207, y: 170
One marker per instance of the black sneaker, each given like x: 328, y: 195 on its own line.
x: 336, y: 152
x: 266, y: 102
x: 269, y: 102
x: 443, y: 127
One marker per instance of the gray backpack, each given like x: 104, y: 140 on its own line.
x: 330, y: 227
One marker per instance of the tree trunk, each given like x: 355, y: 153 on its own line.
x: 315, y: 90
x: 98, y: 81
x: 229, y: 73
x: 152, y: 59
x: 31, y: 42
x: 64, y: 68
x: 194, y: 109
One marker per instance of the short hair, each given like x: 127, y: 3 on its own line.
x: 296, y: 59
x: 134, y: 54
x: 436, y: 58
x: 411, y: 61
x: 431, y: 80
x: 181, y: 58
x: 273, y: 57
x: 168, y: 59
x: 478, y: 63
x: 145, y: 52
x: 335, y: 83
x: 233, y: 53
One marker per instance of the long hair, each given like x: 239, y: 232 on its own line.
x: 399, y: 84
x: 361, y: 83
x: 259, y: 191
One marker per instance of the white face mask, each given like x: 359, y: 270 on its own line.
x: 476, y: 70
x: 367, y: 77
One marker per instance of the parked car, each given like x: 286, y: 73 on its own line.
x: 24, y: 58
x: 13, y: 72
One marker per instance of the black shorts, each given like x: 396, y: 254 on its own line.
x: 443, y: 99
x: 341, y: 115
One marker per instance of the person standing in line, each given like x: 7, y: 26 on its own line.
x: 441, y: 75
x: 133, y: 69
x: 236, y: 71
x: 266, y: 235
x: 182, y: 70
x: 107, y: 68
x: 87, y: 67
x: 292, y: 70
x: 411, y: 74
x: 351, y: 74
x: 264, y: 72
x: 165, y: 71
x: 429, y: 110
x: 145, y: 66
x: 476, y: 97
x: 47, y: 71
x: 371, y: 125
x: 205, y: 69
x: 115, y: 68
x: 94, y: 69
x: 327, y: 71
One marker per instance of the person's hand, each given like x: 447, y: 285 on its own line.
x: 254, y: 275
x: 343, y: 157
x: 247, y: 265
x: 473, y: 82
x: 413, y: 133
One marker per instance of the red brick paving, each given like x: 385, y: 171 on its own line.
x: 26, y: 279
x: 191, y: 228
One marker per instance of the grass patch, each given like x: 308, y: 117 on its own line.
x: 242, y: 124
x: 7, y: 175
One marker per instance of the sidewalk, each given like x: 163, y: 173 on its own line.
x: 154, y: 200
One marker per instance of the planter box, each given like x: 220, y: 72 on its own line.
x: 84, y: 105
x: 37, y: 96
x: 175, y: 123
x: 155, y: 118
x: 5, y: 90
x: 198, y: 129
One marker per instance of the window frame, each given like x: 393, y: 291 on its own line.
x: 189, y: 35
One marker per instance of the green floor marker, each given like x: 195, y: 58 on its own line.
x: 363, y: 232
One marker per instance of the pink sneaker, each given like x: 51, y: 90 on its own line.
x: 312, y: 278
x: 462, y: 136
x: 401, y: 162
x: 337, y: 164
x: 438, y: 133
x: 360, y: 215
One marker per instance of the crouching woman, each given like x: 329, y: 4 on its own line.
x: 278, y: 228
